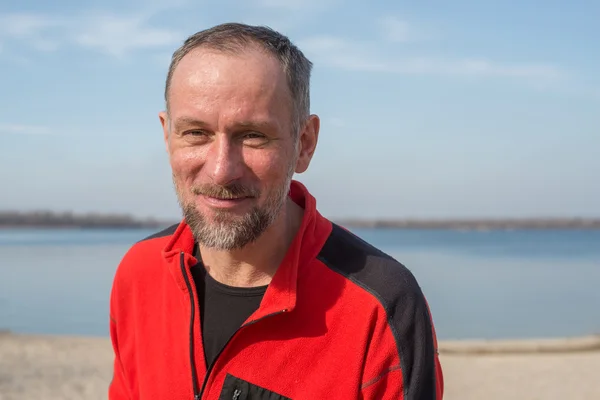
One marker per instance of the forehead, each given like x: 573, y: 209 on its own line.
x: 248, y: 82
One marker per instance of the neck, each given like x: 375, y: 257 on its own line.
x: 257, y: 262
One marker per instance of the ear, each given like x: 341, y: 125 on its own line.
x: 166, y: 126
x: 307, y: 143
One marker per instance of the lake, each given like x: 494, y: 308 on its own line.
x: 494, y: 284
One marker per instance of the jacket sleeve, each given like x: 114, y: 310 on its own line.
x: 402, y: 361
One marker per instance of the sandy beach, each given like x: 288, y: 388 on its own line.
x: 69, y: 368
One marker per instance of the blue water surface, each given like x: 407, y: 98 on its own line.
x: 480, y: 284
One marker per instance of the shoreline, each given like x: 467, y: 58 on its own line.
x: 64, y: 367
x: 575, y: 344
x: 552, y: 345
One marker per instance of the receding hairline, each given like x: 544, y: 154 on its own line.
x: 233, y: 38
x: 281, y: 80
x: 235, y: 47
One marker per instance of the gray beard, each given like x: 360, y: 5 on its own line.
x: 230, y: 232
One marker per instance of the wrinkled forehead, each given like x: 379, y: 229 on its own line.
x: 238, y: 70
x: 224, y: 89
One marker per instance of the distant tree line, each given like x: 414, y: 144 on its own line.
x: 476, y: 224
x: 52, y: 219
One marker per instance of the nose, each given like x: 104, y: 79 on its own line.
x: 224, y: 163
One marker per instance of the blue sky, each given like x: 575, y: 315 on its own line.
x: 429, y: 109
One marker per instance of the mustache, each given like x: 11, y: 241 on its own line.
x: 232, y: 191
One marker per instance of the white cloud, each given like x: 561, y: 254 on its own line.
x: 112, y: 34
x: 395, y: 29
x: 16, y: 129
x: 26, y: 25
x: 364, y: 56
x: 117, y: 35
x: 38, y: 31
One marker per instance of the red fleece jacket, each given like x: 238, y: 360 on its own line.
x: 340, y: 320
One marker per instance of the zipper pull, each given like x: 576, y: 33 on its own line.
x: 236, y: 394
x: 196, y: 397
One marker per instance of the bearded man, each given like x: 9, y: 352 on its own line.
x: 256, y: 295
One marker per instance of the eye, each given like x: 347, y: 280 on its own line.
x: 254, y: 135
x: 254, y: 139
x: 196, y: 133
x: 196, y: 136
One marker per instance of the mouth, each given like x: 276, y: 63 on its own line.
x: 220, y: 202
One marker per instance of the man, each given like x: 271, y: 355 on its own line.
x: 255, y: 295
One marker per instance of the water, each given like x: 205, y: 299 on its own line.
x: 496, y: 284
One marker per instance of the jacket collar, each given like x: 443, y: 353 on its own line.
x: 281, y: 292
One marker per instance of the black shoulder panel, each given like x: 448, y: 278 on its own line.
x: 165, y: 232
x: 396, y: 288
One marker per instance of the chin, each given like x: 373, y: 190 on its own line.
x: 219, y: 215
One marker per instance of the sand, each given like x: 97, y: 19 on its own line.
x: 65, y: 368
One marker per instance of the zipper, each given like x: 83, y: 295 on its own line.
x: 210, y: 368
x: 193, y: 314
x: 198, y: 393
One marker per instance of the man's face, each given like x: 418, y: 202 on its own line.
x: 230, y: 143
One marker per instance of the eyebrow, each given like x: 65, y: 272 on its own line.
x: 182, y: 122
x: 187, y: 121
x: 260, y: 125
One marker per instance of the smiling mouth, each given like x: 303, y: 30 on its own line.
x: 227, y: 198
x: 224, y: 202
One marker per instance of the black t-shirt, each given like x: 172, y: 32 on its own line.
x: 223, y: 309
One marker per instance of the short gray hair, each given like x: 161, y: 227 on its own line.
x: 234, y: 38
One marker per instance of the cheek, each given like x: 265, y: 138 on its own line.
x: 268, y: 167
x: 185, y: 162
